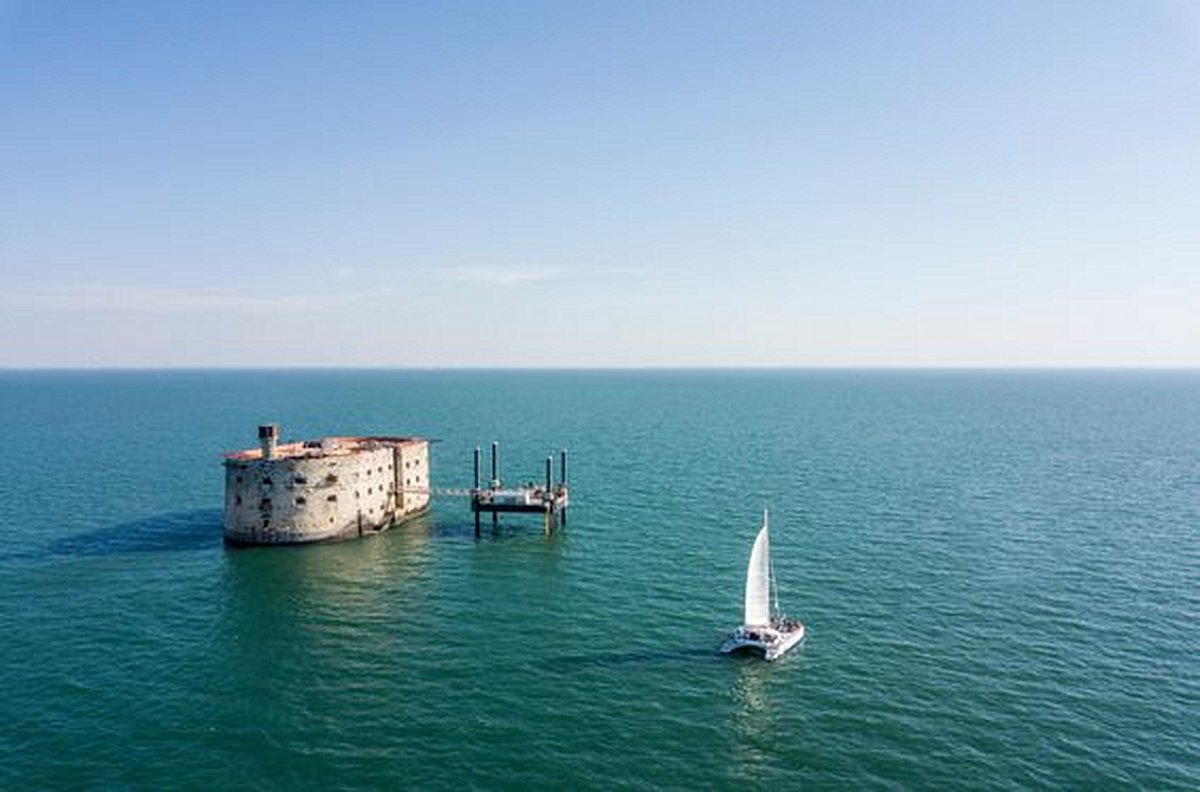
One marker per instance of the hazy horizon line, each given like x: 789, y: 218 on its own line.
x: 606, y: 368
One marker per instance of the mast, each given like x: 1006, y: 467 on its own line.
x: 771, y: 571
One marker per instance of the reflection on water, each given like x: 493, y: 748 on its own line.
x: 339, y: 577
x: 754, y: 716
x: 308, y: 635
x: 521, y: 548
x: 329, y: 606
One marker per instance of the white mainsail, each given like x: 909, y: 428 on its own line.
x: 758, y: 581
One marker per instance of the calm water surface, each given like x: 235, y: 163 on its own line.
x: 1000, y: 573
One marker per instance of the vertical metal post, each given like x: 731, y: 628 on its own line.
x: 475, y: 492
x: 495, y: 464
x: 548, y: 503
x: 562, y: 472
x: 495, y: 477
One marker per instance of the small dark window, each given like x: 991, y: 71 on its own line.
x: 300, y: 478
x: 238, y: 500
x: 239, y: 479
x: 265, y: 504
x: 368, y: 490
x: 301, y: 501
x: 331, y: 498
x: 331, y: 478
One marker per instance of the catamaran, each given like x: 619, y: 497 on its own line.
x: 764, y: 629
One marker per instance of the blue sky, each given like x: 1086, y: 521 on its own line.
x: 600, y: 184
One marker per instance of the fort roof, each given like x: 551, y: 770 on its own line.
x: 325, y: 447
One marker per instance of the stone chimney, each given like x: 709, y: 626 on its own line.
x: 268, y: 436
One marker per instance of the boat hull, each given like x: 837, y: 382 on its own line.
x: 769, y: 642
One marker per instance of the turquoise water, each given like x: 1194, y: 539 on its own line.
x: 1000, y: 573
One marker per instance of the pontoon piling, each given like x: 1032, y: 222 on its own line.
x: 562, y: 481
x: 495, y: 464
x: 551, y: 501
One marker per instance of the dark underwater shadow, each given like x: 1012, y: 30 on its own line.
x: 464, y: 531
x: 174, y: 532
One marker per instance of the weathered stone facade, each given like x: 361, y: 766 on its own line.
x: 335, y: 488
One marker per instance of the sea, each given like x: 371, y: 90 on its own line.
x: 999, y: 571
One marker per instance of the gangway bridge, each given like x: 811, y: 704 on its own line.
x: 447, y: 492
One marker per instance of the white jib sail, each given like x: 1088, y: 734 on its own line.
x: 758, y: 581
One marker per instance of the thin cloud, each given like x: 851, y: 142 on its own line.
x: 501, y: 275
x: 156, y: 300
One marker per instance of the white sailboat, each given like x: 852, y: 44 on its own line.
x: 764, y: 629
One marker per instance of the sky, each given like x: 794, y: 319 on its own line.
x: 600, y: 184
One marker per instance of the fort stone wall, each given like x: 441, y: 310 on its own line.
x: 336, y: 488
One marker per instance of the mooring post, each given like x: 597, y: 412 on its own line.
x: 548, y: 502
x: 562, y: 473
x: 495, y: 477
x: 476, y: 467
